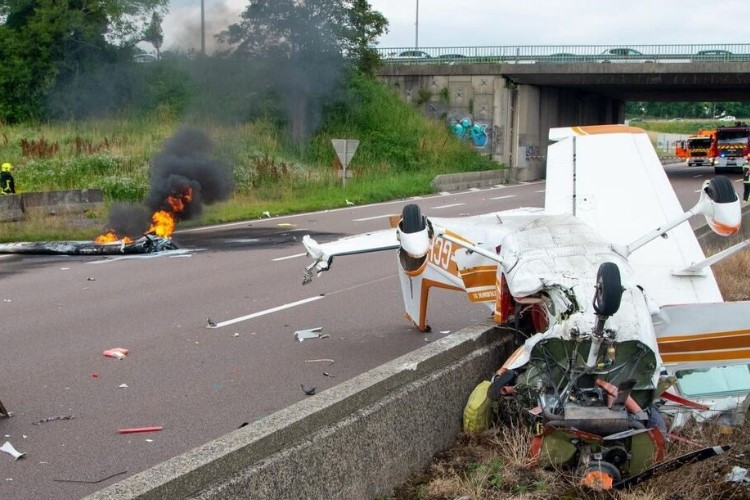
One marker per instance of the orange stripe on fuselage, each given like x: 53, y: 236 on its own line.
x: 689, y: 344
x: 683, y: 357
x: 708, y: 335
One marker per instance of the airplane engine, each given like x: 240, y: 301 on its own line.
x: 721, y: 206
x: 414, y: 236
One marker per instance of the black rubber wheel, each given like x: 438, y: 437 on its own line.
x: 411, y: 219
x: 720, y: 190
x: 608, y: 289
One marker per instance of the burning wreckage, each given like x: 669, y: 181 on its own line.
x: 145, y: 244
x: 184, y: 176
x: 607, y: 293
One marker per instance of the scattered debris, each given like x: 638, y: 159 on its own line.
x: 88, y: 481
x: 310, y: 391
x: 116, y: 352
x: 3, y: 411
x: 122, y: 386
x: 267, y: 213
x: 50, y: 419
x: 426, y: 339
x: 90, y: 279
x: 349, y: 203
x: 312, y: 333
x: 324, y: 336
x: 236, y: 334
x: 149, y: 440
x: 210, y: 324
x: 95, y: 375
x: 8, y: 448
x: 323, y: 360
x: 737, y: 475
x: 243, y: 424
x: 445, y: 331
x: 133, y: 430
x: 7, y: 300
x: 326, y: 374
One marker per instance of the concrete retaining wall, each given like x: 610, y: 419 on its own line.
x: 466, y: 180
x: 10, y: 208
x: 17, y: 206
x: 359, y: 439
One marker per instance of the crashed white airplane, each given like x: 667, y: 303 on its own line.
x: 610, y: 288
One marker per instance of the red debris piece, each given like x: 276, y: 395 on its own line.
x: 94, y: 375
x: 131, y: 430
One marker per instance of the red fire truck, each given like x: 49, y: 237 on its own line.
x: 733, y: 148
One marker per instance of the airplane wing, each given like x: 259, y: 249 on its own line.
x: 323, y: 253
x: 610, y: 177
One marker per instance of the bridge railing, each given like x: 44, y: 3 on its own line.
x: 567, y: 54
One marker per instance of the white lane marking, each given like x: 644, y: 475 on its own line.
x: 503, y: 197
x: 540, y: 191
x: 332, y: 210
x: 289, y: 257
x: 267, y: 311
x: 373, y: 218
x: 448, y: 206
x: 180, y: 252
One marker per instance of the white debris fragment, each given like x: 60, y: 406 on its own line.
x: 445, y: 331
x: 149, y: 440
x: 409, y: 366
x: 737, y: 475
x: 122, y: 386
x: 267, y: 213
x: 311, y: 333
x: 10, y: 450
x: 7, y: 300
x: 236, y: 334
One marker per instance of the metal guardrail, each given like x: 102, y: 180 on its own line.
x: 567, y: 54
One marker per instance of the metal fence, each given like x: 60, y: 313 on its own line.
x: 568, y: 54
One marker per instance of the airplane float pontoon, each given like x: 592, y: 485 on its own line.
x: 608, y: 286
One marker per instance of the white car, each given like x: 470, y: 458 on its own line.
x: 728, y: 118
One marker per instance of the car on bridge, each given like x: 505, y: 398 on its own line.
x: 409, y: 55
x: 712, y: 55
x: 623, y: 54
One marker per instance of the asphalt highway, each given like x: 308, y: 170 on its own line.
x: 60, y: 313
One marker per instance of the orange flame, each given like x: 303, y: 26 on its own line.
x: 111, y: 237
x: 163, y: 224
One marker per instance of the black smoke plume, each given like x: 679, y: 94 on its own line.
x: 186, y: 161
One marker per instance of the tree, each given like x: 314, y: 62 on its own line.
x: 51, y: 42
x: 154, y: 34
x: 310, y: 43
x: 365, y: 26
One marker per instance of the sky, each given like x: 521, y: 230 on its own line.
x: 460, y: 23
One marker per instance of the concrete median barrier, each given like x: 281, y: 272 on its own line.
x: 466, y: 180
x: 62, y: 202
x: 357, y: 440
x: 10, y: 208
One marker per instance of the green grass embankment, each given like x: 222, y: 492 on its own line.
x: 400, y: 152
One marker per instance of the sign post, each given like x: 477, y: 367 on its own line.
x: 345, y: 149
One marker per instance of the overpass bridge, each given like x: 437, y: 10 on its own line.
x: 516, y: 93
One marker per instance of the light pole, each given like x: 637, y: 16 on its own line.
x: 203, y: 29
x: 416, y: 29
